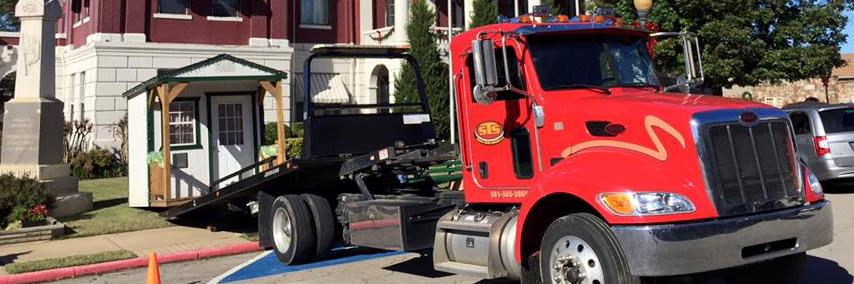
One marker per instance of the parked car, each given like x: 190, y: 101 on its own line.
x: 825, y: 138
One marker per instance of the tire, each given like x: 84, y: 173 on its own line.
x: 580, y: 248
x: 292, y: 230
x: 783, y: 270
x: 324, y: 223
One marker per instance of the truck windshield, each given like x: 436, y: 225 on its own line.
x: 568, y: 62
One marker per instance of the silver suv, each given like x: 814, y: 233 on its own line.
x: 825, y: 137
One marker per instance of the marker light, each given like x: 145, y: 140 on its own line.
x: 561, y: 19
x: 525, y: 19
x: 822, y: 147
x: 646, y: 203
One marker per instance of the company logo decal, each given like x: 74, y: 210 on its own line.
x: 489, y: 132
x: 659, y: 153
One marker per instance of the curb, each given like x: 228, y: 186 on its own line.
x: 104, y: 267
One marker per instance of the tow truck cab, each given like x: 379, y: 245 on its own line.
x: 578, y: 163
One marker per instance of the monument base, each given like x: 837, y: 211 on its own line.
x: 57, y: 181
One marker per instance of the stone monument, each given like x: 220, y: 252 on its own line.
x: 33, y: 121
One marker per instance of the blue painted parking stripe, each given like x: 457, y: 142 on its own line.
x: 269, y: 265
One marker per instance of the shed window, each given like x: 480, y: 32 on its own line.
x: 225, y: 8
x: 314, y: 12
x: 182, y: 123
x: 172, y: 6
x: 230, y: 124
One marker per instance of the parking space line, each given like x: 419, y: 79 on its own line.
x: 266, y: 264
x: 219, y: 278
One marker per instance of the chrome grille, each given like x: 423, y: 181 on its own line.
x: 751, y: 168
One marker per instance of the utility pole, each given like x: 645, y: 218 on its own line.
x: 451, y: 105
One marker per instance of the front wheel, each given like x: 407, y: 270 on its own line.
x: 580, y: 249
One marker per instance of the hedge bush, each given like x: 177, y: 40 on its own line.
x: 20, y: 195
x: 98, y: 163
x: 295, y: 130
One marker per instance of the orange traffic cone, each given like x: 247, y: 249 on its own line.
x: 153, y: 269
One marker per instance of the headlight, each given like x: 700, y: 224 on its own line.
x: 646, y: 203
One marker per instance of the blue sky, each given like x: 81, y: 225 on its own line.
x: 849, y: 30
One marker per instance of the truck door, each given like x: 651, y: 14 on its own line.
x: 499, y: 136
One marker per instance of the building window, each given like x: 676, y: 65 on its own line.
x: 225, y: 8
x: 182, y: 123
x: 314, y: 12
x: 389, y: 13
x: 230, y: 124
x: 172, y: 6
x: 774, y: 101
x: 85, y: 9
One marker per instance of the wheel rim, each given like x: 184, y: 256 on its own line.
x: 282, y: 230
x: 573, y: 261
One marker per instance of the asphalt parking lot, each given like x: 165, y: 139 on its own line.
x: 831, y: 264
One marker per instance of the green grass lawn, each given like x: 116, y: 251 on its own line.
x: 44, y: 264
x: 111, y: 213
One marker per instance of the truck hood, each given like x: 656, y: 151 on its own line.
x: 644, y: 101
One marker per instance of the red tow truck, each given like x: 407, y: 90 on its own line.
x: 578, y: 166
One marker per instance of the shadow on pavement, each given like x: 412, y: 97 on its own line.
x: 216, y: 218
x: 838, y: 187
x: 822, y: 270
x: 9, y: 258
x: 421, y: 266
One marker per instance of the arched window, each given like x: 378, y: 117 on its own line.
x: 380, y: 86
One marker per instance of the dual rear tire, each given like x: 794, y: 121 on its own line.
x: 303, y: 227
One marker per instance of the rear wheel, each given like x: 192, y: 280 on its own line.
x: 293, y: 231
x: 580, y: 249
x: 324, y: 222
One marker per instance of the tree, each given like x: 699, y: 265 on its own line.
x: 423, y: 46
x: 8, y: 21
x: 484, y: 12
x: 748, y: 42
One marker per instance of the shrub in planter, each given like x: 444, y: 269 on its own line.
x: 22, y: 198
x: 98, y: 163
x: 295, y: 130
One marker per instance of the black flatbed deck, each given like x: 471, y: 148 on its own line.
x: 297, y: 173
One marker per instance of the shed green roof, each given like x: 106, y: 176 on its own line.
x: 189, y: 73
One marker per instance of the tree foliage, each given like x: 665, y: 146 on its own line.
x: 423, y: 46
x: 8, y: 21
x: 748, y: 42
x: 485, y: 12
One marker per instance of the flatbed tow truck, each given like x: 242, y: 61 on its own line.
x: 578, y: 166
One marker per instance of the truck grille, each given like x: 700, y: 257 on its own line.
x: 751, y: 168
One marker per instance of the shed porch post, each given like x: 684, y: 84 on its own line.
x: 166, y: 96
x: 276, y: 89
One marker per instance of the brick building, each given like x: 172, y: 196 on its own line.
x: 840, y: 88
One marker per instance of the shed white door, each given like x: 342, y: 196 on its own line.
x: 232, y: 131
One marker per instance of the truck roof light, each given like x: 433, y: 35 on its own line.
x: 560, y: 19
x: 525, y: 19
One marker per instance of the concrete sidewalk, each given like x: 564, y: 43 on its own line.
x: 163, y: 241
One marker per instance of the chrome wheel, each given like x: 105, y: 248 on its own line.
x: 282, y: 230
x: 573, y: 261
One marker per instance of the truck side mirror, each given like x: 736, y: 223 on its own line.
x: 485, y: 71
x: 693, y: 63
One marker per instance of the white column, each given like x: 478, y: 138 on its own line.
x: 467, y: 12
x: 532, y: 3
x: 401, y: 19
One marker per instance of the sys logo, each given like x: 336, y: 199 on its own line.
x: 489, y: 132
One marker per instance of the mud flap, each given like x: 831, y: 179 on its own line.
x: 265, y: 219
